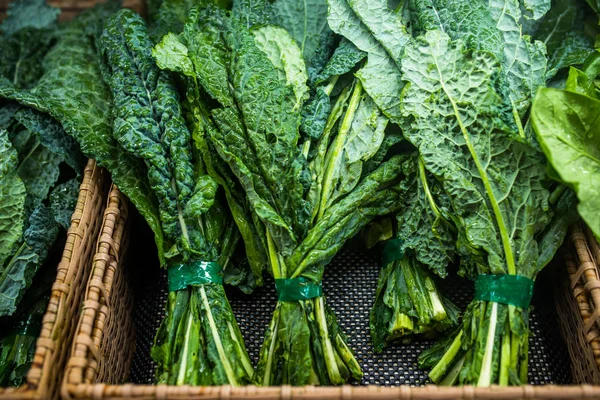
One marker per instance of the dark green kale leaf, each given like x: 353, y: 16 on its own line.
x: 52, y: 136
x: 63, y: 200
x: 24, y: 14
x: 18, y: 273
x: 73, y: 92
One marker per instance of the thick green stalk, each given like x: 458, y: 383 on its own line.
x: 439, y: 371
x: 217, y: 338
x: 332, y: 367
x: 485, y: 376
x: 335, y: 150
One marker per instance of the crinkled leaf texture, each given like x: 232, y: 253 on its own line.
x: 73, y: 92
x: 306, y: 22
x: 18, y: 274
x: 567, y: 125
x: 496, y: 185
x: 12, y: 200
x: 28, y: 13
x: 148, y: 122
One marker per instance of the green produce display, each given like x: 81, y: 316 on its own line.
x: 259, y: 136
x: 40, y: 171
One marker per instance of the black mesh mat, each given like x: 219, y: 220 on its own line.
x: 349, y: 284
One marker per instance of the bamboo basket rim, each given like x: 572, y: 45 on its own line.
x: 50, y: 345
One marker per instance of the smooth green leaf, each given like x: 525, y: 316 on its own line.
x: 567, y: 128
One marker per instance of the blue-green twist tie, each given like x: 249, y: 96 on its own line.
x: 509, y: 289
x: 194, y: 273
x: 392, y: 251
x: 296, y: 289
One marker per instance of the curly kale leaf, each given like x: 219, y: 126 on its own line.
x: 28, y: 14
x: 73, y: 92
x: 306, y: 22
x: 52, y: 136
x: 63, y: 200
x: 18, y: 274
x: 380, y: 76
x: 423, y: 220
x: 12, y: 199
x: 148, y: 122
x: 496, y: 185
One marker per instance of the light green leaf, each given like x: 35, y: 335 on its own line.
x: 568, y: 128
x: 495, y: 184
x: 306, y: 22
x: 523, y: 62
x: 12, y: 199
x: 286, y: 57
x: 380, y: 76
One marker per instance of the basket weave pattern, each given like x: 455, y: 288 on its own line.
x: 105, y: 343
x: 581, y: 312
x: 102, y: 349
x: 58, y: 323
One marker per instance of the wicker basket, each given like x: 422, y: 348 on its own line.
x: 105, y: 343
x: 580, y: 312
x: 58, y: 324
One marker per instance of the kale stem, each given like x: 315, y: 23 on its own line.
x: 505, y: 356
x: 439, y: 371
x: 525, y: 361
x: 181, y: 377
x: 332, y: 367
x: 273, y: 326
x: 240, y: 349
x: 335, y: 151
x: 274, y: 259
x: 557, y: 193
x: 430, y: 199
x: 452, y: 375
x: 217, y: 338
x: 485, y: 376
x: 517, y: 119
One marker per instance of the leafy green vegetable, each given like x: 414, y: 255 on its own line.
x: 13, y: 195
x: 567, y: 128
x: 63, y: 200
x: 198, y: 342
x: 18, y: 273
x: 73, y: 92
x: 306, y: 22
x: 407, y: 302
x: 28, y: 14
x: 304, y: 201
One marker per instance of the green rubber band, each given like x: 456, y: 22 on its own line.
x: 392, y: 251
x: 194, y: 273
x: 515, y: 290
x: 297, y: 289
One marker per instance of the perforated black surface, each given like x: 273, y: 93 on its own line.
x: 349, y: 285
